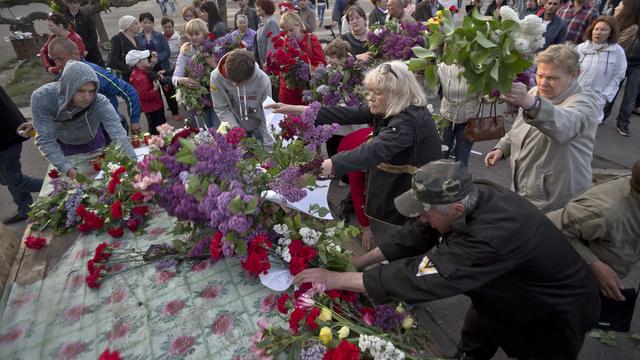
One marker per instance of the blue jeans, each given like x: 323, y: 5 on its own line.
x: 458, y: 146
x: 20, y: 186
x: 629, y: 100
x: 321, y: 8
x: 211, y: 118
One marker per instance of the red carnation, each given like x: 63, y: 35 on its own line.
x: 349, y: 296
x: 97, y: 165
x: 311, y: 318
x: 211, y: 36
x: 109, y: 355
x: 112, y: 184
x: 294, y: 320
x: 215, y: 248
x: 35, y: 243
x: 453, y: 9
x: 116, y: 232
x: 103, y: 252
x: 140, y: 210
x: 297, y: 265
x: 282, y: 303
x: 132, y: 224
x: 93, y: 280
x: 116, y: 210
x: 236, y: 135
x: 368, y: 315
x: 137, y: 196
x: 333, y: 294
x: 53, y: 173
x: 119, y: 171
x: 344, y: 351
x: 81, y: 210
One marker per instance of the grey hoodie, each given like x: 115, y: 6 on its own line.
x: 241, y: 105
x: 53, y: 121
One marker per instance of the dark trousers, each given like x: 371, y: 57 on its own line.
x: 631, y: 91
x: 457, y: 145
x: 20, y: 186
x: 169, y: 92
x: 481, y: 338
x: 155, y: 119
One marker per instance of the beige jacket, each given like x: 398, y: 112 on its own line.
x: 604, y: 223
x: 551, y: 154
x: 457, y: 105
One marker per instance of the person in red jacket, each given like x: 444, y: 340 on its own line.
x: 59, y: 27
x: 147, y: 85
x: 292, y: 24
x: 357, y: 184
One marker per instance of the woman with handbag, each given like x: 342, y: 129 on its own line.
x: 404, y: 138
x: 457, y: 107
x: 550, y: 145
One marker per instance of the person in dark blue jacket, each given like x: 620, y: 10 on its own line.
x: 62, y: 50
x: 154, y: 41
x: 556, y: 32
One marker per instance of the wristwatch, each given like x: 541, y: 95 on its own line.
x: 535, y: 106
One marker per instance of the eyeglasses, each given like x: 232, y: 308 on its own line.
x: 386, y: 68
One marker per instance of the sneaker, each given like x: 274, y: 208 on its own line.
x: 623, y: 131
x: 14, y: 219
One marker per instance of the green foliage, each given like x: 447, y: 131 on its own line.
x: 605, y: 337
x: 482, y: 46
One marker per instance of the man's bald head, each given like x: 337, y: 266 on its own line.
x: 61, y: 50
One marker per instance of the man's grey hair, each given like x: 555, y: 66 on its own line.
x: 469, y: 202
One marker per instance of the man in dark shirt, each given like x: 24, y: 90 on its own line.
x: 86, y: 28
x: 556, y: 32
x: 532, y: 294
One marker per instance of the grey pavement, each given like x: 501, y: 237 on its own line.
x: 445, y: 317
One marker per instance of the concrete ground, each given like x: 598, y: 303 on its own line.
x: 612, y: 152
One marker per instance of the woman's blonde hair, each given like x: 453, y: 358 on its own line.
x: 401, y: 86
x: 290, y: 19
x: 561, y: 55
x: 194, y: 26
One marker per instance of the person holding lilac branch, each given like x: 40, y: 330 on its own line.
x: 404, y: 138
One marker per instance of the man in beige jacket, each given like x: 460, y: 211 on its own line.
x: 551, y: 142
x: 603, y: 225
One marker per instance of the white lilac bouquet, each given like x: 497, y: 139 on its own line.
x: 332, y: 85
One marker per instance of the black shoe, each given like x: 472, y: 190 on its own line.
x: 623, y: 131
x: 14, y: 219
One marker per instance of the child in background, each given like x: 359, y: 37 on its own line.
x: 147, y: 85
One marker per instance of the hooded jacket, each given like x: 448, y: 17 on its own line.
x: 551, y: 154
x: 241, y: 105
x: 53, y: 121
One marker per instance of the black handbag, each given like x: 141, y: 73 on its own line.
x: 617, y: 315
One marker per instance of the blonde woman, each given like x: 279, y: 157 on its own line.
x: 404, y: 138
x: 196, y: 31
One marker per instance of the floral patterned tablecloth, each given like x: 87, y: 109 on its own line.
x: 196, y: 310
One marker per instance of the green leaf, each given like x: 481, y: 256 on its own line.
x: 323, y: 211
x: 506, y: 45
x: 483, y: 41
x: 194, y: 184
x: 495, y: 71
x: 310, y: 181
x: 236, y: 205
x: 180, y: 246
x: 251, y: 206
x: 93, y: 199
x: 421, y: 52
x: 187, y: 144
x: 479, y: 57
x: 435, y: 40
x: 185, y: 156
x: 298, y: 220
x: 431, y: 76
x: 416, y: 65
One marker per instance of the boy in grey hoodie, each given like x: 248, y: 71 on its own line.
x: 238, y: 89
x: 69, y: 117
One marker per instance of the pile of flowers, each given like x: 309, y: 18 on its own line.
x: 110, y: 204
x: 287, y: 61
x: 339, y: 325
x: 484, y: 46
x: 332, y: 86
x: 394, y: 41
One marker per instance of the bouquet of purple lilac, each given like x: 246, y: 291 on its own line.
x: 393, y: 41
x: 333, y: 86
x: 218, y: 47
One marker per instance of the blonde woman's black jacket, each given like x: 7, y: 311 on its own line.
x: 408, y: 138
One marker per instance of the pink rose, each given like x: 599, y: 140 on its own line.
x: 173, y: 307
x: 222, y: 324
x: 164, y: 276
x: 117, y: 296
x: 181, y: 345
x: 200, y: 265
x: 74, y: 313
x: 71, y: 350
x: 211, y: 292
x: 119, y: 330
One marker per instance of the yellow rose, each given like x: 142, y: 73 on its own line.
x: 325, y: 335
x: 343, y: 332
x: 408, y: 323
x: 439, y: 13
x: 325, y: 314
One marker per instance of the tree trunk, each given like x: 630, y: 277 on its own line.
x: 103, y: 37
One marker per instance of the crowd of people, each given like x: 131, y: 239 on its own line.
x: 441, y: 232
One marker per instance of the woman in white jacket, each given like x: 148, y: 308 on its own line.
x: 602, y: 62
